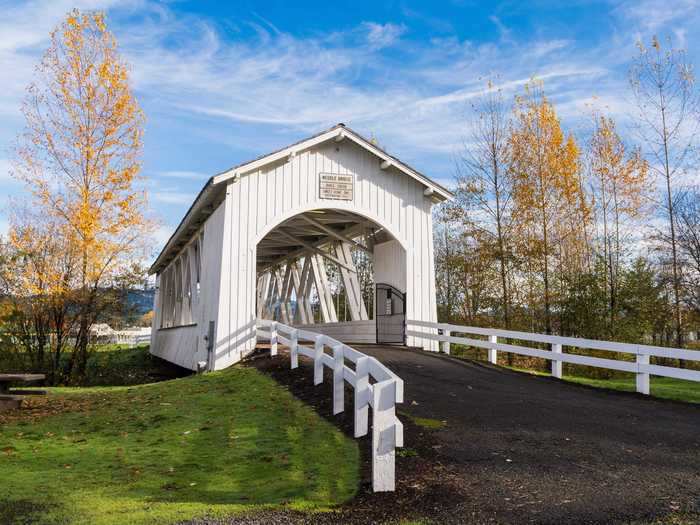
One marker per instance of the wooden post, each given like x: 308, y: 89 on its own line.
x: 556, y: 363
x: 361, y: 396
x: 318, y: 361
x: 446, y: 344
x: 294, y: 348
x: 643, y: 383
x: 273, y: 338
x: 493, y: 353
x: 383, y: 436
x: 338, y: 380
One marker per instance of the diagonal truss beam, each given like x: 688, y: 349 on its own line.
x: 316, y: 250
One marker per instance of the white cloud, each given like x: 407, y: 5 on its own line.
x: 162, y: 234
x: 651, y: 15
x: 5, y: 167
x: 186, y: 175
x: 172, y: 197
x: 382, y: 35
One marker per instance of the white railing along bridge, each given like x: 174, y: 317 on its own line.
x: 375, y: 387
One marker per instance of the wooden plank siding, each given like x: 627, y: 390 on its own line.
x: 186, y: 345
x: 259, y: 201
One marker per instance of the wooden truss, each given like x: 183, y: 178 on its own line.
x: 291, y: 265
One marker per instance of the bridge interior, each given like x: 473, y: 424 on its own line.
x: 319, y: 267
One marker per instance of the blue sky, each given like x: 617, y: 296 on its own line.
x: 222, y: 82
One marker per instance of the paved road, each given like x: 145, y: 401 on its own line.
x: 534, y: 449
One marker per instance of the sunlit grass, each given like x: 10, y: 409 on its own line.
x: 663, y: 387
x: 213, y: 445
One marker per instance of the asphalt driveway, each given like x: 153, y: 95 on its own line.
x: 487, y: 445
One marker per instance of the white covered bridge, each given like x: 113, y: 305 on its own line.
x: 260, y: 240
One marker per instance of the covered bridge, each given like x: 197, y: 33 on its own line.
x: 260, y: 238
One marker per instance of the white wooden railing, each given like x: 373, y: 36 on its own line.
x: 375, y: 387
x: 640, y: 366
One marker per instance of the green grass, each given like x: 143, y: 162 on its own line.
x: 106, y: 365
x: 213, y: 444
x: 425, y: 422
x: 663, y: 387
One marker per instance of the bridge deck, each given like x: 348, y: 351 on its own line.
x: 517, y: 448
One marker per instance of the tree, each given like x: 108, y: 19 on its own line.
x: 37, y: 275
x: 484, y: 185
x: 688, y: 208
x: 547, y: 194
x: 79, y: 156
x: 620, y: 182
x: 663, y: 85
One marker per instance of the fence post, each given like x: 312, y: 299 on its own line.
x: 556, y: 363
x: 293, y: 348
x: 446, y: 344
x: 338, y: 380
x: 493, y: 353
x: 318, y: 362
x: 383, y: 436
x: 361, y: 396
x: 273, y: 338
x: 643, y: 384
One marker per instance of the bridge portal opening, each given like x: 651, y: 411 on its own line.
x: 336, y: 270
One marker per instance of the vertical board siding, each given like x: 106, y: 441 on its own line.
x: 262, y: 199
x: 185, y: 345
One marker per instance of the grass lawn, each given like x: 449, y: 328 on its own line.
x: 664, y: 387
x: 213, y: 444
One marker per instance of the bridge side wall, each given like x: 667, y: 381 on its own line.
x: 186, y: 345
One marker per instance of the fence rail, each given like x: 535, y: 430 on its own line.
x: 131, y: 339
x: 642, y: 367
x: 375, y: 387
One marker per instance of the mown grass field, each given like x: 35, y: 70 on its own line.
x: 214, y: 445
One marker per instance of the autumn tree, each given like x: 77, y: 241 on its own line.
x: 37, y: 274
x: 663, y: 85
x: 484, y: 184
x: 547, y: 191
x: 79, y: 156
x: 620, y: 184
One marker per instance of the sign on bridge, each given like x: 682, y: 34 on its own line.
x: 335, y: 186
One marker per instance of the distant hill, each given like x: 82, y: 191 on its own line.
x: 139, y: 302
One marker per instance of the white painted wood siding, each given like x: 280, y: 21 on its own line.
x: 261, y: 200
x: 186, y: 345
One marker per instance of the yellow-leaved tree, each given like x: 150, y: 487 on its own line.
x: 548, y: 199
x: 620, y: 182
x: 79, y: 156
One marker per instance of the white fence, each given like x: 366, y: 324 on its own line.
x: 640, y: 366
x: 126, y: 337
x: 375, y: 386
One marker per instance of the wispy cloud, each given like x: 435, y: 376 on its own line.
x: 173, y: 197
x: 382, y: 35
x: 5, y: 167
x: 186, y: 175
